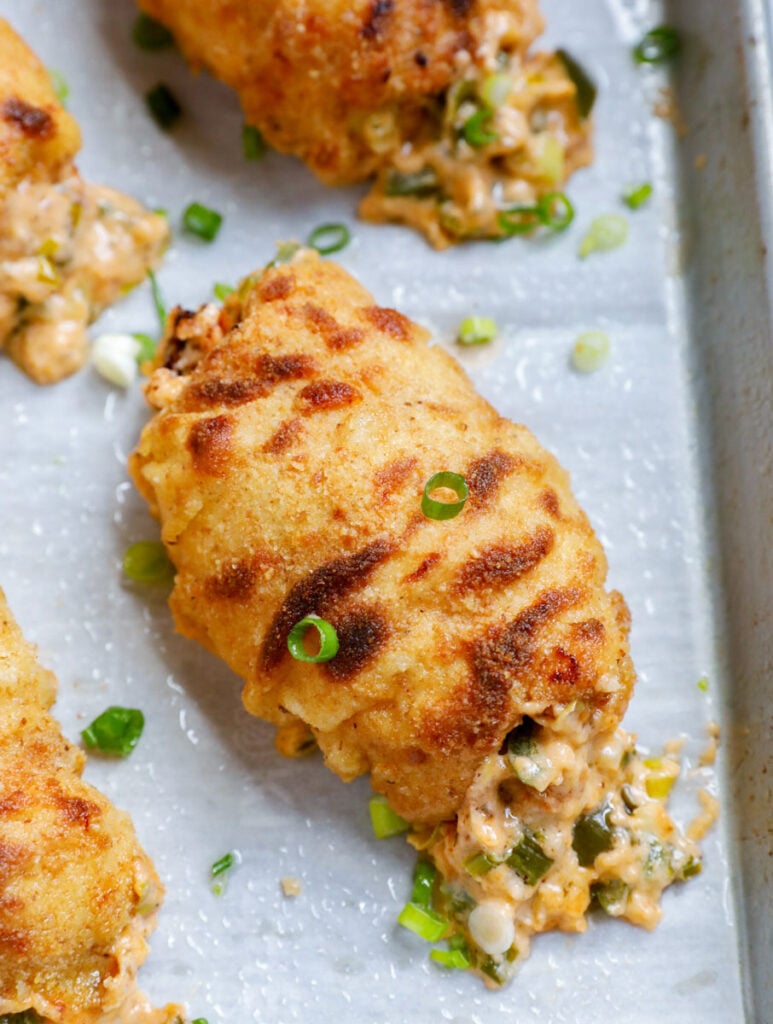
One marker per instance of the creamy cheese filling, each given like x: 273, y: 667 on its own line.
x: 561, y: 819
x: 67, y: 250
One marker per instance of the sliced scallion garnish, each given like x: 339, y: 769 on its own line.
x: 116, y: 731
x: 59, y: 84
x: 424, y: 876
x: 328, y: 640
x: 253, y: 144
x: 158, y: 299
x: 658, y: 45
x: 434, y: 509
x: 476, y: 130
x: 411, y: 183
x: 529, y: 860
x: 590, y: 351
x: 480, y: 864
x: 222, y: 291
x: 329, y: 238
x: 384, y: 820
x: 201, y: 221
x: 703, y: 684
x: 637, y: 195
x: 163, y: 106
x: 426, y: 923
x: 518, y: 220
x: 147, y: 562
x: 555, y: 211
x: 218, y: 870
x: 607, y: 232
x: 477, y: 330
x: 611, y: 896
x: 585, y: 87
x: 147, y: 349
x: 495, y: 89
x: 149, y: 34
x: 592, y: 835
x: 457, y: 956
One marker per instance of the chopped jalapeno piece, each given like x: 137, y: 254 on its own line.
x: 592, y: 835
x: 529, y: 860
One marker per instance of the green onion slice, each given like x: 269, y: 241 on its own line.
x: 60, y: 86
x: 480, y: 864
x: 529, y: 860
x: 453, y: 958
x: 434, y: 509
x: 199, y: 220
x: 116, y: 731
x: 590, y: 351
x: 222, y: 864
x: 592, y: 835
x: 147, y: 562
x: 222, y: 291
x: 200, y: 1020
x: 477, y: 330
x: 637, y: 195
x: 158, y: 299
x: 329, y: 238
x: 555, y: 211
x: 424, y: 876
x: 607, y: 232
x: 163, y: 107
x: 658, y: 45
x: 476, y: 130
x: 384, y: 820
x: 411, y: 183
x: 585, y: 87
x: 691, y: 868
x: 495, y: 89
x: 611, y: 896
x: 328, y: 640
x: 703, y: 684
x: 149, y: 34
x: 424, y: 922
x: 147, y: 349
x: 518, y: 220
x: 253, y: 144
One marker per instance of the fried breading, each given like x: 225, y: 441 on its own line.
x: 442, y: 100
x: 67, y: 249
x: 78, y: 895
x: 296, y: 430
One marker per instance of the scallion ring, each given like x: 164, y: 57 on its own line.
x: 519, y: 220
x: 199, y: 220
x: 555, y: 211
x: 329, y: 238
x: 147, y: 562
x: 158, y: 299
x: 434, y: 509
x: 658, y: 45
x: 476, y: 130
x: 116, y: 731
x: 253, y: 144
x: 637, y: 195
x: 328, y: 640
x: 411, y: 183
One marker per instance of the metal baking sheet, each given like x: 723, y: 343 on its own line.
x: 669, y: 447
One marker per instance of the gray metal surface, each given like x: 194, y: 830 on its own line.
x: 669, y: 449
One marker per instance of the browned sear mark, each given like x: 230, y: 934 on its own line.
x: 334, y: 335
x: 362, y: 632
x: 389, y: 321
x: 563, y: 667
x: 13, y: 802
x: 328, y: 394
x: 235, y: 582
x: 283, y: 438
x: 268, y: 372
x: 549, y: 501
x: 209, y: 442
x: 317, y: 592
x: 423, y: 568
x: 501, y: 564
x: 278, y: 287
x: 376, y: 18
x: 485, y: 475
x: 391, y: 477
x: 33, y: 122
x: 77, y: 811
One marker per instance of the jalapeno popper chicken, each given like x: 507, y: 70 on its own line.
x: 78, y: 895
x: 441, y: 101
x: 67, y: 249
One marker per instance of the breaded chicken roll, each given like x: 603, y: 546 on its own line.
x: 441, y: 101
x: 67, y: 249
x: 287, y: 464
x: 78, y: 895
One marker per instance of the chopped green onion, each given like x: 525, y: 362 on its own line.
x: 411, y: 183
x: 585, y: 87
x: 592, y: 835
x: 426, y: 923
x: 147, y: 349
x: 605, y: 233
x: 555, y: 211
x: 328, y: 640
x: 637, y: 195
x: 150, y: 34
x: 158, y: 300
x: 434, y: 509
x: 480, y: 864
x: 612, y: 896
x: 223, y: 864
x: 529, y: 860
x: 692, y: 867
x: 495, y: 89
x: 329, y: 238
x: 384, y: 820
x: 200, y: 1020
x: 590, y: 351
x: 147, y: 562
x: 703, y: 684
x: 493, y: 970
x: 59, y: 85
x: 477, y: 330
x: 551, y: 159
x: 519, y: 220
x: 253, y: 144
x: 114, y: 357
x: 116, y: 731
x: 658, y: 856
x: 222, y: 291
x: 476, y: 131
x: 199, y: 220
x: 457, y: 957
x: 424, y: 876
x: 163, y: 107
x: 658, y: 45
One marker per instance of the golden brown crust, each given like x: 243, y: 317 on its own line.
x: 450, y: 631
x: 77, y: 893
